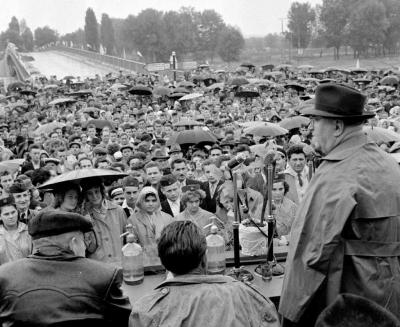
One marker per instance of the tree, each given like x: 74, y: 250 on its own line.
x: 367, y: 26
x: 146, y: 33
x: 27, y: 39
x: 392, y: 33
x: 211, y: 23
x: 230, y: 43
x: 334, y: 18
x: 12, y: 34
x: 44, y: 36
x: 91, y: 30
x: 300, y: 19
x: 74, y: 39
x: 107, y: 34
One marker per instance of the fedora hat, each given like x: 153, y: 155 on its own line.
x: 338, y: 101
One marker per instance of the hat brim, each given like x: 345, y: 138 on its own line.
x: 315, y: 112
x: 160, y: 158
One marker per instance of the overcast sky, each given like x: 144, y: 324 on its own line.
x: 253, y: 17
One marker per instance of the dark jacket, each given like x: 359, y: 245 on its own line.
x: 210, y: 203
x: 165, y: 207
x: 55, y: 287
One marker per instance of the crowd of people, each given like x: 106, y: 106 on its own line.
x: 179, y: 143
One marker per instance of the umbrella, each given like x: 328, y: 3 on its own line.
x: 389, y: 80
x: 118, y: 86
x: 140, y: 90
x: 176, y: 95
x: 50, y: 86
x: 247, y: 92
x: 181, y: 90
x: 192, y: 136
x: 358, y: 71
x: 68, y: 77
x: 283, y: 66
x: 247, y: 124
x: 91, y: 109
x: 239, y: 81
x: 15, y: 86
x: 248, y: 65
x: 295, y: 86
x: 362, y: 81
x: 191, y: 96
x: 11, y: 165
x: 267, y: 67
x: 188, y: 122
x: 216, y: 86
x: 81, y: 93
x: 161, y: 91
x: 260, y: 150
x: 315, y: 71
x: 266, y: 129
x: 327, y: 80
x: 100, y: 123
x: 61, y: 100
x: 294, y: 122
x: 220, y: 71
x: 76, y: 176
x: 186, y: 84
x: 48, y: 128
x: 78, y: 83
x: 28, y: 92
x: 335, y: 69
x: 379, y: 134
x: 209, y: 80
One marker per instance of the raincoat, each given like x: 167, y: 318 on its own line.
x: 346, y: 235
x: 204, y: 300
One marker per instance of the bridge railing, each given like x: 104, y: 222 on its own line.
x: 124, y: 64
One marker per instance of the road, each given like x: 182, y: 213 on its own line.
x: 55, y: 63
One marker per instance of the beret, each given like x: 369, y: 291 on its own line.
x: 55, y: 222
x: 7, y: 201
x: 18, y: 187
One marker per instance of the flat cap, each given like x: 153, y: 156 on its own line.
x: 100, y: 150
x: 168, y: 180
x: 191, y: 188
x: 56, y: 222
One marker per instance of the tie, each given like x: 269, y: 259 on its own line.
x: 300, y: 179
x: 23, y: 217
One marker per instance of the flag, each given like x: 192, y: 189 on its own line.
x: 358, y: 63
x: 139, y: 54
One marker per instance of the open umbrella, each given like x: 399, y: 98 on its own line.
x: 362, y: 81
x: 68, y: 77
x: 186, y: 84
x: 181, y: 90
x: 50, y: 86
x: 61, y: 100
x: 266, y: 129
x: 295, y: 86
x: 216, y: 86
x: 118, y: 86
x: 248, y: 65
x: 81, y: 93
x: 28, y: 92
x: 176, y: 96
x: 76, y: 176
x: 16, y: 86
x: 284, y: 66
x: 100, y: 123
x: 247, y: 92
x: 379, y: 134
x: 327, y: 80
x: 294, y: 122
x: 188, y: 122
x: 239, y: 81
x: 358, y: 71
x: 192, y: 136
x: 267, y: 67
x: 389, y: 80
x: 11, y: 165
x: 140, y: 90
x: 91, y: 110
x: 336, y: 69
x: 48, y: 128
x: 209, y: 80
x: 305, y: 67
x: 191, y: 96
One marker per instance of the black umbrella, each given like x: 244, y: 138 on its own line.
x: 100, y: 123
x: 141, y: 90
x: 192, y: 136
x: 81, y: 93
x: 68, y: 77
x: 181, y: 90
x: 209, y: 80
x: 358, y: 71
x: 267, y: 67
x: 28, y: 92
x: 239, y: 81
x: 16, y: 86
x: 247, y: 92
x: 176, y: 95
x: 248, y: 65
x: 362, y: 81
x: 295, y: 86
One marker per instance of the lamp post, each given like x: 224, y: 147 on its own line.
x: 174, y: 63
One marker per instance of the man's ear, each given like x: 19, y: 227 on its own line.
x: 339, y: 128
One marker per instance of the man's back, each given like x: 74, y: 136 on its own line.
x: 203, y: 300
x: 61, y: 290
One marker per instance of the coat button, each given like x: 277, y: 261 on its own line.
x: 268, y: 317
x: 164, y: 290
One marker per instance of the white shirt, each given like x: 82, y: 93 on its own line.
x: 175, y: 207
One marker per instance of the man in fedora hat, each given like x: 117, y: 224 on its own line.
x: 57, y: 285
x: 345, y: 235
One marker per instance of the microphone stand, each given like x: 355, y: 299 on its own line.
x: 238, y: 272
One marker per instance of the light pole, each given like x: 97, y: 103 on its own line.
x: 173, y: 63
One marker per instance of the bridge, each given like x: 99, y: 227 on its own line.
x: 11, y: 66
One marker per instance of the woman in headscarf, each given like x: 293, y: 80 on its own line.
x: 191, y: 200
x: 148, y: 221
x: 15, y: 241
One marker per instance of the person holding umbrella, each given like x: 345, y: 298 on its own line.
x: 68, y: 198
x: 109, y: 221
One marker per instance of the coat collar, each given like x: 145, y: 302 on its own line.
x: 195, y: 279
x: 348, y: 146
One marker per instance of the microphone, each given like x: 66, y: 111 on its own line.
x: 270, y: 158
x: 310, y: 156
x: 236, y: 161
